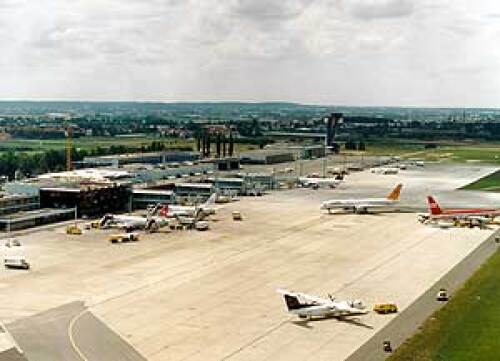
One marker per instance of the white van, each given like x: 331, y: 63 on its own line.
x: 15, y: 262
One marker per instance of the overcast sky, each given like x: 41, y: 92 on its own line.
x: 335, y: 52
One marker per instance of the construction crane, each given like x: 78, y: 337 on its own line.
x: 69, y: 146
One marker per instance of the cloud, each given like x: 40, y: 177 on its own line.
x: 261, y: 11
x: 379, y: 9
x: 361, y: 52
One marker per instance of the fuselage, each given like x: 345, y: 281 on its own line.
x: 309, y: 181
x: 353, y: 203
x: 181, y: 211
x: 472, y: 212
x: 342, y: 308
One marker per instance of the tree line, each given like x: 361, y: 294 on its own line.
x: 30, y: 164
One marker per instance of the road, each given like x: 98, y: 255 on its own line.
x: 71, y: 333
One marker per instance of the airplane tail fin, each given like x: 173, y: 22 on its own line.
x: 211, y: 200
x: 164, y: 210
x: 394, y: 195
x: 291, y: 300
x: 434, y: 206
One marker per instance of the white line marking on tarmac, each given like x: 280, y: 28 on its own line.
x: 70, y: 335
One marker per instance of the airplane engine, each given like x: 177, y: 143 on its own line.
x: 358, y: 304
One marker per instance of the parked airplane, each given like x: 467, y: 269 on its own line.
x: 307, y: 306
x: 129, y: 223
x: 478, y: 214
x: 319, y: 182
x: 386, y: 170
x: 362, y: 205
x: 203, y: 209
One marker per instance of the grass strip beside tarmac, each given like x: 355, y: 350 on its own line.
x: 467, y: 328
x: 489, y: 183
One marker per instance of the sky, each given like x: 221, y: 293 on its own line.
x: 331, y: 52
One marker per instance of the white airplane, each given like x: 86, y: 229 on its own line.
x: 130, y: 223
x: 203, y: 209
x: 362, y: 205
x: 385, y: 170
x: 307, y: 306
x: 319, y: 182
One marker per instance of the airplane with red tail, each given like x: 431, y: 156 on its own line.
x: 435, y: 211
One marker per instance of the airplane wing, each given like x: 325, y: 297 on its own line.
x: 313, y: 299
x: 347, y: 310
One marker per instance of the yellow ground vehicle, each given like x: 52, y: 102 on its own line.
x: 237, y: 216
x: 122, y: 238
x: 385, y: 308
x: 73, y: 229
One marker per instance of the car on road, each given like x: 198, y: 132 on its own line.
x: 442, y: 295
x: 387, y: 346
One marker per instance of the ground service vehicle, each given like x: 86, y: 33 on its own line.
x: 16, y: 262
x: 123, y: 238
x: 387, y: 346
x: 385, y: 308
x: 73, y: 230
x: 442, y: 295
x: 237, y: 216
x: 201, y: 226
x: 12, y: 243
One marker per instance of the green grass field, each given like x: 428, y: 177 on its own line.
x: 83, y: 143
x: 489, y: 183
x: 87, y: 143
x: 465, y: 329
x: 488, y: 152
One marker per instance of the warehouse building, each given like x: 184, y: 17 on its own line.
x: 33, y: 218
x: 267, y: 157
x: 228, y: 163
x: 312, y: 151
x: 10, y: 203
x: 19, y: 211
x: 193, y: 191
x: 181, y: 171
x: 261, y: 180
x: 142, y: 198
x: 91, y: 200
x: 230, y: 186
x: 119, y: 160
